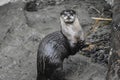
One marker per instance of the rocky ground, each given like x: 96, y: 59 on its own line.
x: 21, y: 31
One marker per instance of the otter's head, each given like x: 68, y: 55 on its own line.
x: 68, y: 16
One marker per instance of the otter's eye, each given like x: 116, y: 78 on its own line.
x: 71, y: 12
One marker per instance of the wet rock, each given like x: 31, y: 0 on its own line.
x: 101, y: 40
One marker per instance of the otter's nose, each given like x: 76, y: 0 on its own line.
x: 68, y: 17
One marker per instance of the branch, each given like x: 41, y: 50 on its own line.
x: 102, y: 19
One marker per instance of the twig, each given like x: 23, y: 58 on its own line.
x: 92, y: 7
x: 102, y: 19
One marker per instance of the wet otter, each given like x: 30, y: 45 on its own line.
x: 57, y: 46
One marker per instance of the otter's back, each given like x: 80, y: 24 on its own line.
x: 52, y: 50
x: 54, y: 43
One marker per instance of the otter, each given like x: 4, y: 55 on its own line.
x: 57, y: 46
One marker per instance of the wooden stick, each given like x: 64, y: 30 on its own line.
x: 103, y: 19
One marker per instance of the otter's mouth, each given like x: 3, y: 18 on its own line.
x: 69, y: 21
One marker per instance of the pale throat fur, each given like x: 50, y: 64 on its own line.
x: 72, y: 31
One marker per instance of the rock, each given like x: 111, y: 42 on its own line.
x: 114, y: 59
x: 21, y: 31
x: 101, y: 40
